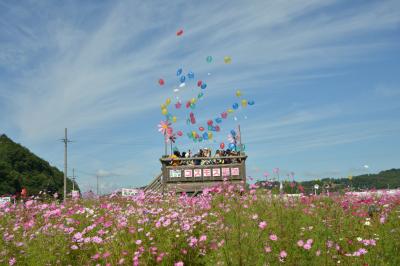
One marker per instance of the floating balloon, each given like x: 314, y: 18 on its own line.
x: 179, y: 32
x: 174, y: 119
x: 168, y: 101
x: 209, y: 122
x: 182, y: 85
x: 222, y: 145
x: 178, y: 105
x: 244, y: 103
x: 201, y: 128
x: 179, y: 133
x: 188, y: 104
x: 235, y: 106
x: 182, y: 79
x: 199, y: 83
x: 233, y: 133
x: 251, y: 102
x: 203, y: 86
x: 224, y: 115
x: 235, y: 118
x: 193, y: 100
x: 218, y: 120
x: 169, y: 117
x: 164, y: 111
x: 238, y: 93
x: 163, y: 106
x: 230, y: 111
x: 210, y: 135
x: 209, y: 59
x: 205, y: 135
x: 200, y: 95
x: 176, y: 90
x: 227, y: 59
x: 210, y: 128
x: 217, y: 128
x: 194, y: 134
x: 190, y: 75
x: 232, y: 146
x: 179, y: 72
x: 161, y: 82
x: 192, y: 105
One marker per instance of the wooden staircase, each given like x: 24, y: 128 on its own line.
x: 155, y: 185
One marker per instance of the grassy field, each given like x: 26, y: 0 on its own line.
x: 226, y: 225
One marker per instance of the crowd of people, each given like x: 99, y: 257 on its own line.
x: 204, y: 157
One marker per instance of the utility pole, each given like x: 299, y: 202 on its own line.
x: 65, y: 140
x: 73, y: 178
x: 97, y: 177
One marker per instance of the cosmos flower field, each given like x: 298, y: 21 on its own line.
x: 226, y: 225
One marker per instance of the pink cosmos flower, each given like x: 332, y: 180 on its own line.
x: 262, y: 225
x: 307, y: 246
x: 283, y: 254
x: 74, y: 247
x: 300, y: 243
x: 138, y: 242
x: 12, y: 261
x: 179, y: 263
x: 273, y: 237
x: 106, y: 254
x: 97, y: 240
x: 267, y: 249
x: 203, y: 238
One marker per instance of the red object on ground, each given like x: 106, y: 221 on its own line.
x: 179, y: 32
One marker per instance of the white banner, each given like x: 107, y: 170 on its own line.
x: 126, y: 192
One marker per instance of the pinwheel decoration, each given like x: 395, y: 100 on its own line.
x: 165, y: 128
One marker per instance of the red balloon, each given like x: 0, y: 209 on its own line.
x: 179, y: 133
x: 209, y: 122
x: 201, y: 128
x: 217, y: 128
x: 161, y: 82
x: 179, y: 32
x: 187, y: 104
x: 222, y: 145
x: 199, y: 83
x: 224, y: 115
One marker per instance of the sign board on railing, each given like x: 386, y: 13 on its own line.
x: 127, y: 192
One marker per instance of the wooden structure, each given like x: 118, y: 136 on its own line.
x: 192, y: 175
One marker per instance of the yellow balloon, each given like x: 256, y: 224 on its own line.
x: 238, y: 93
x: 174, y: 119
x: 244, y: 103
x: 227, y: 59
x: 193, y: 100
x: 230, y: 111
x: 163, y: 106
x: 168, y: 101
x: 194, y: 134
x: 164, y: 111
x: 210, y: 135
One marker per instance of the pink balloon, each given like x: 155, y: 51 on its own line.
x: 222, y: 145
x: 179, y: 133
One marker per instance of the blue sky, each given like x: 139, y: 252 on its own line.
x: 325, y: 76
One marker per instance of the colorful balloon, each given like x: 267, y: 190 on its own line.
x: 232, y: 146
x: 201, y: 128
x: 188, y: 104
x: 235, y: 106
x: 224, y: 115
x: 163, y: 106
x: 227, y: 59
x: 205, y: 135
x: 174, y: 119
x: 218, y: 120
x: 190, y: 75
x: 199, y: 83
x: 179, y: 133
x: 179, y: 72
x: 238, y: 93
x: 233, y: 133
x: 161, y: 82
x: 230, y: 111
x: 244, y: 103
x: 210, y: 135
x: 178, y: 105
x: 182, y: 79
x: 164, y: 111
x: 251, y: 102
x: 192, y: 105
x: 203, y: 86
x: 222, y: 145
x: 210, y: 122
x: 193, y: 100
x: 209, y: 59
x: 217, y: 128
x: 200, y: 95
x: 168, y: 101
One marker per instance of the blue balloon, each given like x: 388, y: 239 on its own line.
x: 179, y: 72
x: 210, y: 128
x: 183, y: 79
x: 235, y: 106
x: 251, y: 102
x: 200, y: 139
x: 205, y: 136
x: 203, y: 86
x: 190, y: 75
x: 232, y: 146
x: 233, y: 133
x: 218, y: 120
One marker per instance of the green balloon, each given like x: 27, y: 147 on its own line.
x: 209, y: 59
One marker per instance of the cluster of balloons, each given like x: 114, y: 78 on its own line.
x: 227, y: 59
